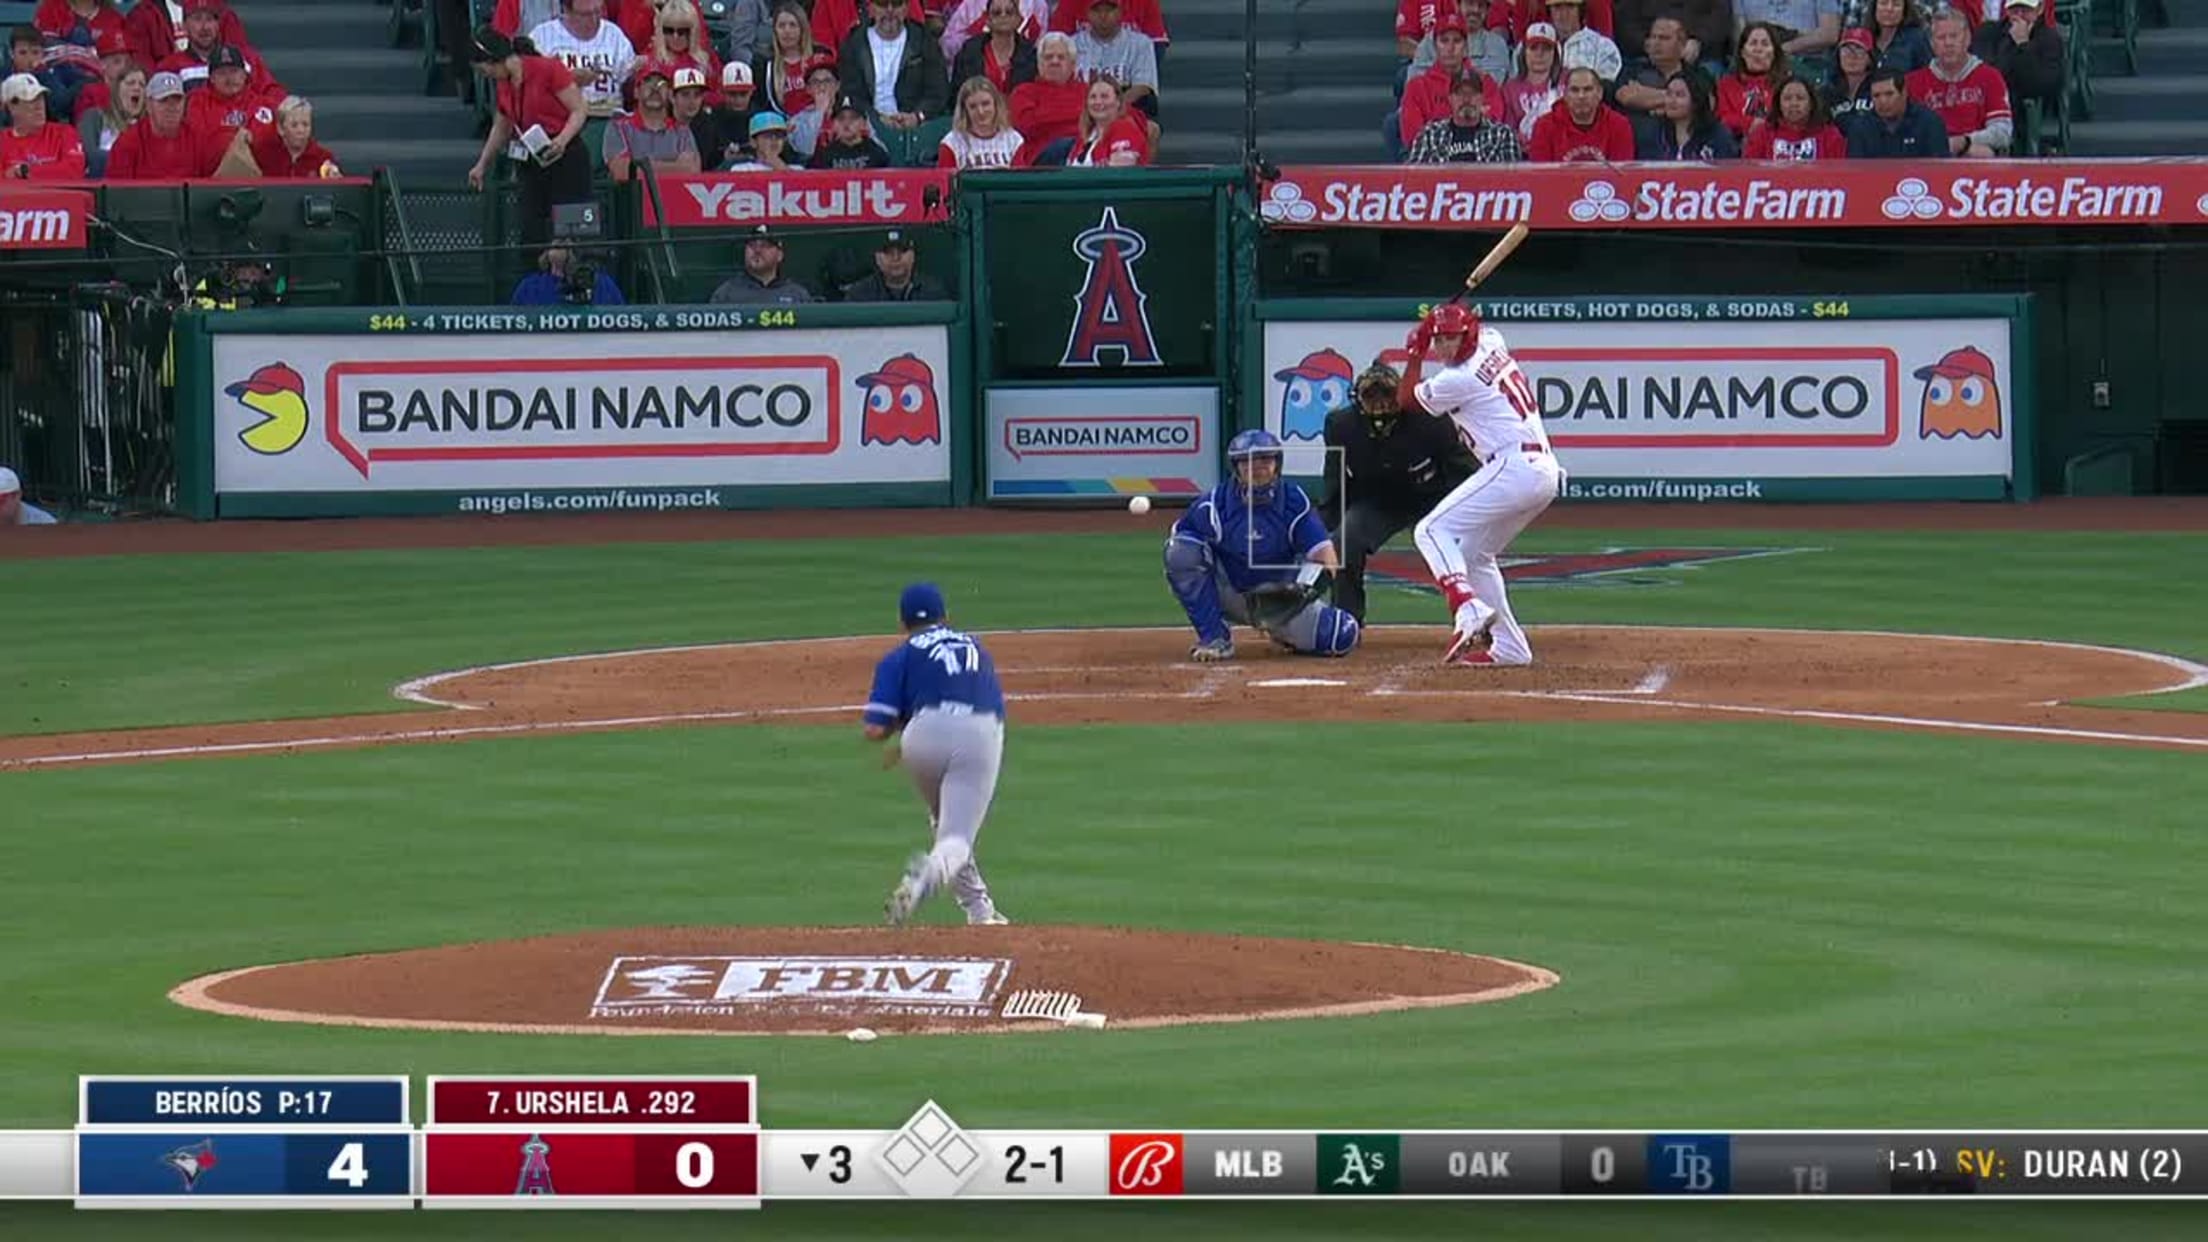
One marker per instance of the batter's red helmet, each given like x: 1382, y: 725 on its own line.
x: 1456, y: 319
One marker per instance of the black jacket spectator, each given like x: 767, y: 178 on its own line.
x: 1398, y: 467
x: 1712, y: 141
x: 2033, y: 69
x: 969, y: 63
x: 923, y: 81
x: 923, y: 288
x: 1918, y: 135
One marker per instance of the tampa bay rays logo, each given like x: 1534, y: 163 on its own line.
x: 1110, y: 313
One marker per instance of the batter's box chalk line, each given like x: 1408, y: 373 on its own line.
x: 1060, y: 1007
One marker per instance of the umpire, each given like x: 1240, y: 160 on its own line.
x: 1392, y: 471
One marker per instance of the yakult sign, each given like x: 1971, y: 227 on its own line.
x: 1712, y: 397
x: 1868, y: 193
x: 890, y: 197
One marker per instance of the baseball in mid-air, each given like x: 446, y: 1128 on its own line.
x: 1139, y: 505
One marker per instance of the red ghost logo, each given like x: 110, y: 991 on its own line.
x: 901, y: 405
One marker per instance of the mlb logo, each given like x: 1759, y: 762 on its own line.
x: 1690, y: 1164
x: 1146, y: 1164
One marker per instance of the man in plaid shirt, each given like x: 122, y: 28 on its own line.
x: 1467, y: 135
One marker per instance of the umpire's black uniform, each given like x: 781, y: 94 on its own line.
x: 1398, y: 465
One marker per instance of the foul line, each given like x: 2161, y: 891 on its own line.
x: 1914, y: 722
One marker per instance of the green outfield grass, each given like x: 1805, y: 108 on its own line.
x: 1758, y: 926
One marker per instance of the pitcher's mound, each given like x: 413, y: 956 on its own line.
x: 825, y: 980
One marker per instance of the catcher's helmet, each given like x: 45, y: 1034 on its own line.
x: 1254, y: 445
x: 1456, y: 319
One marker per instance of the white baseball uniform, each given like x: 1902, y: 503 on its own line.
x: 608, y: 52
x: 1493, y: 407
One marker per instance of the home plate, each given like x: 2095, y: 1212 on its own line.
x: 1299, y: 681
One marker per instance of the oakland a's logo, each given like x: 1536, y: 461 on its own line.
x: 1109, y: 313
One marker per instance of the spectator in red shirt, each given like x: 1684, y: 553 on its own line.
x: 161, y: 147
x: 1001, y: 54
x: 1415, y: 19
x: 84, y: 22
x: 203, y: 38
x: 1142, y: 15
x: 1581, y: 128
x: 834, y: 20
x: 115, y: 60
x: 234, y: 100
x: 33, y: 148
x: 1426, y: 99
x: 1109, y: 137
x: 780, y: 70
x: 1966, y: 92
x: 540, y: 111
x: 1049, y: 109
x: 288, y: 149
x: 1744, y: 95
x: 1539, y: 84
x: 1800, y: 129
x: 155, y: 36
x: 981, y: 130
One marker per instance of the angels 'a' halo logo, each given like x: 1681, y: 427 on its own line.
x: 1111, y: 312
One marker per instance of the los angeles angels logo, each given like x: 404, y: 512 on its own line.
x: 1109, y: 314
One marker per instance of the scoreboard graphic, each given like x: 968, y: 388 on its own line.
x: 696, y: 1142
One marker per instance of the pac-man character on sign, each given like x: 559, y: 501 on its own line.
x: 279, y: 396
x: 901, y: 404
x: 1961, y: 397
x: 1317, y: 386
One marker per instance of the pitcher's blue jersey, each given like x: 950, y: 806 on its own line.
x: 936, y: 665
x: 1264, y: 544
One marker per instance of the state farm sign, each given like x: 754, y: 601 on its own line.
x: 44, y: 219
x: 913, y: 196
x: 1868, y: 193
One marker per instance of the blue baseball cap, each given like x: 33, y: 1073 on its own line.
x: 922, y: 601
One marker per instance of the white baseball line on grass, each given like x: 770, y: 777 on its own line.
x: 1914, y: 722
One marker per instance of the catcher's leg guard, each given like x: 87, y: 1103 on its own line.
x: 1320, y: 629
x: 1191, y: 575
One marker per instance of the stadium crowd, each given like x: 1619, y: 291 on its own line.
x: 1557, y: 81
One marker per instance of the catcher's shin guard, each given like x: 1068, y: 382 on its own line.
x: 1188, y: 571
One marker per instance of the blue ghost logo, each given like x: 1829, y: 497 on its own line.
x: 1317, y: 386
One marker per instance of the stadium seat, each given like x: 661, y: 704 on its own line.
x: 923, y: 141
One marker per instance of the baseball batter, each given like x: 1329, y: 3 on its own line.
x: 1253, y: 551
x: 939, y: 689
x: 1482, y: 391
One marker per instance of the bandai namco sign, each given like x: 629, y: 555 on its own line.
x: 658, y: 986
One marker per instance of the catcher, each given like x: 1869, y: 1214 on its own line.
x: 1254, y: 551
x: 1390, y: 472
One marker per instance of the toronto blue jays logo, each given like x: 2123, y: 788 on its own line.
x: 1110, y: 314
x: 193, y: 1162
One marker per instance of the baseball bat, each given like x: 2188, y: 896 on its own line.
x: 1495, y: 256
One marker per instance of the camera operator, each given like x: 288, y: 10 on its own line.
x: 241, y: 284
x: 564, y: 278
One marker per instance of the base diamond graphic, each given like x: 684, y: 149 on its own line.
x: 930, y: 1158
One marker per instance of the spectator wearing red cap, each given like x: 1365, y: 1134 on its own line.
x: 159, y: 29
x: 160, y: 146
x: 1744, y: 95
x: 834, y: 20
x: 895, y: 68
x: 234, y: 99
x: 651, y: 133
x: 288, y: 149
x: 1486, y: 48
x: 202, y: 33
x: 1798, y: 130
x: 1002, y: 52
x: 1112, y: 135
x: 1849, y: 91
x: 1969, y: 95
x: 1688, y: 128
x: 968, y: 20
x: 1049, y: 109
x: 540, y: 112
x: 1468, y: 135
x: 33, y: 148
x: 1426, y: 97
x: 1539, y: 83
x: 981, y: 130
x: 780, y: 68
x: 1142, y: 15
x: 2027, y: 51
x: 1899, y: 38
x: 595, y: 51
x: 99, y: 128
x: 115, y: 60
x: 1581, y: 128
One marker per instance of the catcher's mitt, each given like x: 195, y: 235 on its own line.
x: 1271, y: 604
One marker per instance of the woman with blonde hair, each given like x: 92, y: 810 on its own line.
x: 779, y: 70
x: 1108, y: 137
x: 981, y: 130
x: 99, y: 129
x: 680, y: 41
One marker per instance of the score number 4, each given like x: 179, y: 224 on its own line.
x: 351, y: 1165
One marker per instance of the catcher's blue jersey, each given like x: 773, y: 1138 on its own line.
x: 1264, y: 544
x: 937, y: 665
